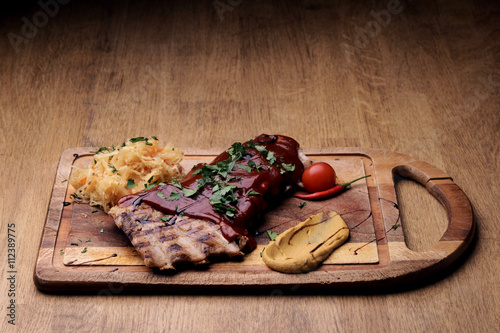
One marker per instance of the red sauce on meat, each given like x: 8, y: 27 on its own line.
x: 270, y: 178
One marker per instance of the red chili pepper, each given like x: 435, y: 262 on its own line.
x: 328, y: 193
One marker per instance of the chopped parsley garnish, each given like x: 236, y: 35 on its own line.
x: 260, y: 148
x: 235, y: 179
x: 175, y: 195
x: 103, y: 149
x: 255, y: 166
x: 95, y: 211
x: 220, y: 177
x: 270, y: 157
x: 88, y: 241
x: 223, y: 196
x: 61, y: 252
x: 187, y: 192
x: 138, y: 139
x: 272, y: 234
x: 268, y: 154
x: 252, y: 192
x: 176, y: 183
x: 74, y: 244
x: 84, y: 250
x: 112, y: 167
x: 244, y: 167
x: 141, y: 139
x: 150, y: 184
x: 302, y: 204
x: 286, y: 168
x: 237, y: 151
x: 101, y: 231
x: 131, y: 183
x: 224, y: 209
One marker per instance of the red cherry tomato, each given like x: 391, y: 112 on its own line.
x: 319, y: 176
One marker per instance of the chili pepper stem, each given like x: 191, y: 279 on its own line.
x: 344, y: 185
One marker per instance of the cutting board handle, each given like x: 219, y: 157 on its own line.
x: 461, y: 225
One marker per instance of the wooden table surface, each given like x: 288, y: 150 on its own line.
x: 418, y: 77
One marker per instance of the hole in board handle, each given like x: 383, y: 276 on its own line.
x: 422, y: 217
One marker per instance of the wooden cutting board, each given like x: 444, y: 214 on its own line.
x: 82, y: 250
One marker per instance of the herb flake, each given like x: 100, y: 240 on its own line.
x: 272, y: 234
x: 252, y: 192
x: 188, y: 192
x: 394, y: 227
x: 131, y: 183
x: 174, y: 196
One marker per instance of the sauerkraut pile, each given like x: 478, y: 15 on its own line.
x: 137, y: 165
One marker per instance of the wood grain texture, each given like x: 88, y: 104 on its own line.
x: 374, y: 255
x: 425, y: 85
